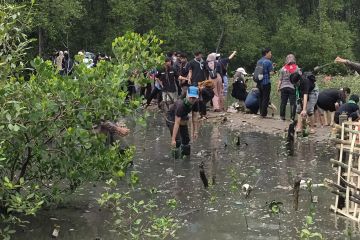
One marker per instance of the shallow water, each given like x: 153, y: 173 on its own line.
x: 219, y: 212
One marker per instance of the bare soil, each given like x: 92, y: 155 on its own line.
x: 244, y: 122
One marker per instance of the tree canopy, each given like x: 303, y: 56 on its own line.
x: 314, y: 30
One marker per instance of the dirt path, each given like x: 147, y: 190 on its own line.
x: 253, y: 123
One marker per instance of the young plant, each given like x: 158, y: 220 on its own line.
x: 306, y: 232
x: 275, y: 209
x: 139, y: 219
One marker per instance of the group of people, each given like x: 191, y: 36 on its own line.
x: 65, y: 63
x: 183, y: 87
x: 178, y: 74
x: 300, y: 90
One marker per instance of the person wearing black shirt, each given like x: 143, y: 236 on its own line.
x: 307, y: 94
x: 183, y: 74
x: 177, y: 120
x: 167, y: 76
x: 223, y: 64
x: 329, y: 100
x: 351, y: 109
x: 196, y: 70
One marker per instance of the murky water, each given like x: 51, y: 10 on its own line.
x: 219, y: 212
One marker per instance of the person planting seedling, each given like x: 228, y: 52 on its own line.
x: 307, y: 95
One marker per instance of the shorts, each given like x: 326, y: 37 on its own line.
x: 313, y: 97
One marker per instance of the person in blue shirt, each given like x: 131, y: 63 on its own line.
x: 264, y: 85
x: 252, y: 100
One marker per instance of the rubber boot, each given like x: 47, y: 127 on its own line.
x: 185, y: 150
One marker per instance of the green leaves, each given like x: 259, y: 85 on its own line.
x: 137, y: 53
x: 48, y: 127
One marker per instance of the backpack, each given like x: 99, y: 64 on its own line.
x: 310, y: 76
x: 239, y: 89
x: 259, y: 72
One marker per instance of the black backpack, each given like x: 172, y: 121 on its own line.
x: 259, y: 72
x: 310, y: 76
x: 238, y: 89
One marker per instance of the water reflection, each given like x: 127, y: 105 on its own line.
x: 216, y: 213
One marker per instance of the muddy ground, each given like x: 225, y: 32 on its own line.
x: 244, y: 122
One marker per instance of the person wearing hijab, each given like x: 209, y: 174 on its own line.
x: 286, y: 88
x: 213, y: 74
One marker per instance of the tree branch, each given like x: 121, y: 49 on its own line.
x: 27, y: 159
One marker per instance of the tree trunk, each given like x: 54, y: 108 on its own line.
x: 41, y: 41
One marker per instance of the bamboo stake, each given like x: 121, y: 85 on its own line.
x: 354, y: 170
x: 346, y: 142
x: 351, y: 198
x: 347, y: 202
x: 349, y: 130
x: 341, y: 189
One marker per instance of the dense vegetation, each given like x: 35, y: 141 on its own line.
x: 49, y: 144
x: 315, y: 30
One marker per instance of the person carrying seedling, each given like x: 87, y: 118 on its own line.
x: 307, y: 95
x: 177, y: 121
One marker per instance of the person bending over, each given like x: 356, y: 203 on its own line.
x: 177, y: 120
x: 351, y: 109
x: 307, y: 96
x: 329, y: 100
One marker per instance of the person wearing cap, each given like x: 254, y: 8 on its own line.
x: 351, y: 109
x: 239, y: 86
x: 286, y: 88
x: 177, y: 120
x: 212, y: 73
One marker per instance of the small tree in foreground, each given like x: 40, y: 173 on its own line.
x: 47, y: 143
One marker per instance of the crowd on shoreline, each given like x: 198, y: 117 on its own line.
x: 181, y: 86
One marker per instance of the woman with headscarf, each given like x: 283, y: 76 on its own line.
x: 59, y: 60
x: 213, y: 74
x: 286, y: 88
